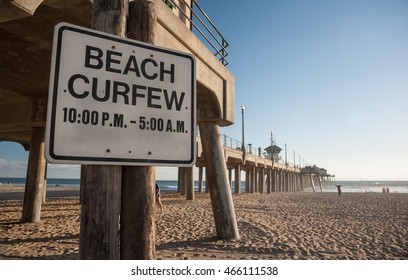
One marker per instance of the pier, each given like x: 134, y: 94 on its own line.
x: 112, y: 191
x: 264, y: 173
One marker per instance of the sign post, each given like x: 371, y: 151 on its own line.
x: 117, y: 101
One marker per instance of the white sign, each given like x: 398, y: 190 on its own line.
x: 118, y: 101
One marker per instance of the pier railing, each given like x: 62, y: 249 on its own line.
x: 236, y: 144
x: 202, y: 26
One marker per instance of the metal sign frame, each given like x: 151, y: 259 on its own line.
x: 116, y: 101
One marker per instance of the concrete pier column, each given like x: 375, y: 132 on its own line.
x: 247, y: 180
x: 181, y: 181
x: 320, y: 183
x: 200, y: 179
x: 268, y: 180
x: 237, y: 178
x: 207, y: 184
x: 289, y: 181
x: 311, y: 182
x: 273, y: 181
x: 253, y: 180
x: 186, y: 182
x: 292, y: 181
x: 220, y: 191
x: 189, y: 180
x: 261, y: 180
x: 33, y: 194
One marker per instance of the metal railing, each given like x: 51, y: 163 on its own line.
x: 200, y: 22
x: 237, y: 145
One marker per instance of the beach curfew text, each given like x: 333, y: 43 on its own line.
x: 82, y: 87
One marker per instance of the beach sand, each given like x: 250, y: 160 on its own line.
x: 284, y: 226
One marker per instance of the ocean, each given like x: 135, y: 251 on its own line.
x: 374, y: 186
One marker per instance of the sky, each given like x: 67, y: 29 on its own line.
x: 328, y: 78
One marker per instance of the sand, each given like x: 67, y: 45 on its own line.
x: 284, y: 226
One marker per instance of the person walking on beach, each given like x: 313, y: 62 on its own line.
x: 338, y: 189
x: 158, y: 200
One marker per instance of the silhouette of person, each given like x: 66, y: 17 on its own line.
x: 158, y: 200
x: 338, y: 189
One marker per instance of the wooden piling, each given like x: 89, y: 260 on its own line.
x: 220, y: 192
x: 100, y: 210
x: 137, y: 220
x: 138, y: 185
x: 101, y: 185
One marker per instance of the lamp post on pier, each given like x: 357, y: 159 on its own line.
x: 243, y: 129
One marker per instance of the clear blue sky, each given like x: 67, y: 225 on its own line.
x: 329, y: 78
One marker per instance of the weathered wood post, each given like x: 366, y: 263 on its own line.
x: 217, y: 178
x: 100, y: 210
x: 137, y: 231
x: 137, y: 220
x: 33, y: 194
x: 101, y: 185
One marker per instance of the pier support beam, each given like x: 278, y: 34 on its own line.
x: 237, y: 179
x: 311, y: 182
x: 261, y: 180
x: 253, y: 180
x: 189, y: 180
x: 320, y: 183
x: 200, y: 179
x: 247, y: 180
x: 220, y: 191
x: 33, y: 194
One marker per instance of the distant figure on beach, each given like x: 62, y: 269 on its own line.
x: 338, y: 188
x: 388, y: 190
x: 158, y: 200
x: 383, y: 190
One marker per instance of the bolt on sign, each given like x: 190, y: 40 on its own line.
x: 118, y: 101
